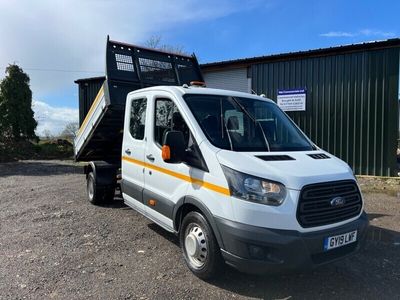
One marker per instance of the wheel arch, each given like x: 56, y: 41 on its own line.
x: 105, y: 174
x: 188, y: 204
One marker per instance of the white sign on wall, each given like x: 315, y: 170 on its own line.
x: 292, y: 100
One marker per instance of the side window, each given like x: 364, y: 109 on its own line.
x: 138, y: 118
x: 168, y: 118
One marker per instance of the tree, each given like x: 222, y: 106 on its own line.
x: 16, y: 114
x: 70, y: 130
x: 155, y: 43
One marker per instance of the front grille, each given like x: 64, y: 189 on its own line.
x: 315, y: 208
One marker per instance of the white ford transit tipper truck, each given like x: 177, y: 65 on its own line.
x: 228, y: 172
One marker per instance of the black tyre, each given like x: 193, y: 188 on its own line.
x: 199, y: 246
x: 98, y: 195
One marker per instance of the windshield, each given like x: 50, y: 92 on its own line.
x: 245, y: 124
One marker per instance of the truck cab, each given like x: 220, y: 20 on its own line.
x: 232, y: 176
x: 249, y: 188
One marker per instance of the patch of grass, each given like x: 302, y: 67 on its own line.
x: 372, y: 184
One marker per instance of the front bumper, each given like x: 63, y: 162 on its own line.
x: 258, y: 250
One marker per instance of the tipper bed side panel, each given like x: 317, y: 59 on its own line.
x: 128, y: 68
x: 88, y: 89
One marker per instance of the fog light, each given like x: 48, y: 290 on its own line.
x: 256, y: 252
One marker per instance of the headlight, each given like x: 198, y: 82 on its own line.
x: 254, y: 189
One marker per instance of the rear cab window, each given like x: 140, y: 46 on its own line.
x: 137, y: 120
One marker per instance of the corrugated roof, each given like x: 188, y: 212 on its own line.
x: 244, y: 62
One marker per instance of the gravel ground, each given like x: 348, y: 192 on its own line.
x: 54, y: 244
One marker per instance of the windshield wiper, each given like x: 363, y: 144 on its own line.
x: 244, y: 110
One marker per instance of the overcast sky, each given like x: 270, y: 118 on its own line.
x: 56, y: 42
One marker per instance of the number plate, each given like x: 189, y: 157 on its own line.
x: 340, y: 240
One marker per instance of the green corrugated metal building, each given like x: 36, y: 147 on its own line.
x: 352, y: 97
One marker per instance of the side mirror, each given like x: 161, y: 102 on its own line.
x: 173, y: 149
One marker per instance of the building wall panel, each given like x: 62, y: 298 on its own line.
x: 352, y: 103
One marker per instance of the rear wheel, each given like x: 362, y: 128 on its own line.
x: 98, y: 195
x: 199, y: 246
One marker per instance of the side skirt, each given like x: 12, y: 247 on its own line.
x: 156, y: 217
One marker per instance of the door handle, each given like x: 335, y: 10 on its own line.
x: 150, y: 157
x: 128, y: 151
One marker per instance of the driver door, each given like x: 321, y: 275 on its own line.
x: 165, y: 182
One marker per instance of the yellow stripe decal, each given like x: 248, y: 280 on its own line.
x: 199, y: 182
x: 94, y: 104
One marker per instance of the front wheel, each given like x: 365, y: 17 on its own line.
x: 199, y: 246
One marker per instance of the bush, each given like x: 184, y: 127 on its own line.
x: 44, y: 149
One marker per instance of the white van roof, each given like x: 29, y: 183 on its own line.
x: 180, y: 90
